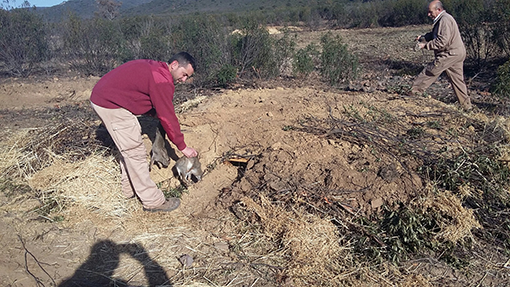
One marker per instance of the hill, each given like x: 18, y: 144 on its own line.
x: 86, y: 8
x: 192, y: 6
x: 82, y: 8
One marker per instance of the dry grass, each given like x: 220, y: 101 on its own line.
x: 504, y: 124
x: 12, y: 155
x: 312, y: 244
x: 93, y: 183
x: 48, y: 161
x: 462, y: 219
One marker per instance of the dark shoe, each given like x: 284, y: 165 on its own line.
x: 464, y: 107
x: 408, y: 94
x: 170, y: 204
x: 467, y: 108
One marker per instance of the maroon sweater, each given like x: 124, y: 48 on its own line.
x: 140, y: 86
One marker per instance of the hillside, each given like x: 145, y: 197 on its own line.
x: 86, y: 8
x: 82, y: 8
x: 201, y: 6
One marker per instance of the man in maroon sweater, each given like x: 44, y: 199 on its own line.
x: 135, y: 88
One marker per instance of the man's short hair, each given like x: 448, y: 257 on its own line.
x: 183, y: 58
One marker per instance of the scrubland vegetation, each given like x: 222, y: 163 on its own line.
x: 31, y: 45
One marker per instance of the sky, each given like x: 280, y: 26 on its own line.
x: 40, y: 3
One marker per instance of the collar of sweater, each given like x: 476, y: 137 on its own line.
x: 438, y: 16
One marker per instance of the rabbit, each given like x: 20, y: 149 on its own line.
x: 419, y: 39
x: 188, y: 166
x: 159, y: 154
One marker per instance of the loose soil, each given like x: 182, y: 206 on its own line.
x: 291, y: 140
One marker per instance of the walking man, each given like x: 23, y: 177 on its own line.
x: 135, y: 88
x: 449, y: 52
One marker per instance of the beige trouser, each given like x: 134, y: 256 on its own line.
x: 453, y: 65
x: 126, y: 132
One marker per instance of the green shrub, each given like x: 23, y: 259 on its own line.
x: 130, y: 28
x: 283, y: 52
x: 154, y: 42
x: 408, y: 231
x: 251, y: 51
x: 502, y: 85
x: 403, y: 12
x: 501, y: 19
x: 204, y: 37
x: 23, y: 43
x: 361, y: 15
x: 93, y: 46
x: 226, y: 75
x: 338, y: 64
x: 474, y: 21
x: 256, y: 53
x: 305, y: 60
x: 144, y: 37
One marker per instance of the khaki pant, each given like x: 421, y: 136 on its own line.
x: 453, y: 66
x: 126, y: 132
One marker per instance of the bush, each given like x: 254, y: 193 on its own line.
x: 305, y: 60
x: 226, y: 75
x: 256, y: 53
x: 204, y: 37
x: 23, y: 42
x: 144, y: 37
x: 283, y: 52
x: 361, y: 15
x: 473, y: 19
x: 154, y: 41
x: 403, y: 12
x: 92, y: 46
x: 502, y: 85
x: 337, y: 63
x: 501, y: 18
x: 131, y: 28
x: 408, y: 231
x: 251, y: 50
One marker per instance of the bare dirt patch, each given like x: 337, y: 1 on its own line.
x: 331, y: 155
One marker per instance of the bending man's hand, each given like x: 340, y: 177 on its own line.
x: 189, y: 152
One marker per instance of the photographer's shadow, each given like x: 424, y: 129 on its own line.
x: 104, y: 258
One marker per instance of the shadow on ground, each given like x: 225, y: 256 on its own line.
x: 104, y: 258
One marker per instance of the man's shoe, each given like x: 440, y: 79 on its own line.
x: 170, y: 204
x: 467, y: 107
x: 409, y: 93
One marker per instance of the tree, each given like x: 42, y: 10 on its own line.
x: 108, y: 9
x: 23, y: 42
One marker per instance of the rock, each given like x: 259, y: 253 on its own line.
x: 376, y: 203
x: 222, y: 246
x: 186, y: 260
